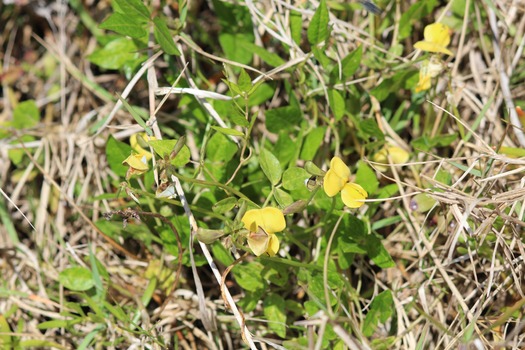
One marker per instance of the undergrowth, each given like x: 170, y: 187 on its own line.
x: 269, y: 174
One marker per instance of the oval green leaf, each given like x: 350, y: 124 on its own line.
x: 270, y: 166
x: 76, y: 278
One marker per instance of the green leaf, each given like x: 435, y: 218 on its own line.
x: 263, y: 93
x: 337, y: 103
x: 222, y: 254
x: 220, y: 148
x: 351, y: 63
x: 134, y: 9
x: 5, y: 333
x: 369, y: 128
x: 417, y: 11
x: 286, y: 148
x: 230, y: 44
x: 249, y: 276
x: 225, y: 205
x: 57, y: 324
x: 117, y: 311
x: 381, y: 310
x: 115, y: 54
x: 296, y: 26
x: 163, y: 36
x: 312, y: 143
x: 40, y: 344
x: 393, y: 84
x: 116, y: 152
x: 120, y: 23
x: 25, y: 115
x: 274, y: 310
x: 164, y: 147
x: 283, y: 118
x: 283, y: 198
x: 366, y: 177
x: 17, y: 155
x: 294, y: 177
x: 227, y: 131
x: 378, y: 253
x: 271, y: 58
x: 244, y: 82
x: 270, y: 166
x: 318, y: 28
x: 76, y: 278
x: 425, y: 143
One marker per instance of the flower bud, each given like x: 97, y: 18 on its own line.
x: 313, y: 169
x: 208, y: 236
x: 295, y: 207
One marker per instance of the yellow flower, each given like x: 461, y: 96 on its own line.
x: 437, y: 38
x: 135, y: 143
x: 263, y: 224
x: 335, y: 178
x: 353, y: 194
x: 138, y: 164
x: 397, y: 155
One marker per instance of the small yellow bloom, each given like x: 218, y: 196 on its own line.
x: 263, y: 224
x: 336, y: 178
x: 138, y: 164
x: 353, y: 194
x: 437, y: 38
x: 397, y: 155
x: 135, y: 143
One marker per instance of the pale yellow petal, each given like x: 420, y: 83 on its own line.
x: 258, y: 242
x: 353, y: 194
x: 137, y: 161
x: 437, y: 33
x: 432, y: 47
x: 397, y: 154
x: 135, y: 143
x: 273, y: 245
x: 435, y: 66
x: 424, y: 82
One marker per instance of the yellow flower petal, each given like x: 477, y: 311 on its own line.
x: 353, y: 194
x: 258, y: 242
x: 273, y: 245
x: 397, y: 155
x: 431, y: 47
x: 340, y: 168
x: 437, y: 38
x: 269, y: 219
x: 437, y: 33
x: 424, y: 82
x: 135, y: 143
x: 137, y: 162
x: 336, y: 177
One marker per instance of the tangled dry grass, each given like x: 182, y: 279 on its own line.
x: 458, y: 280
